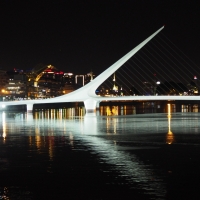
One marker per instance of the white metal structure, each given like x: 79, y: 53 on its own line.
x: 87, y: 93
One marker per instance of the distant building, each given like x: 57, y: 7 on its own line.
x: 68, y: 79
x: 69, y: 88
x: 3, y: 78
x: 49, y: 84
x: 48, y: 88
x: 16, y: 87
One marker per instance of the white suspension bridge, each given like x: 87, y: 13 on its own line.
x: 87, y: 93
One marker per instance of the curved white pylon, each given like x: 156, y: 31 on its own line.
x: 88, y: 91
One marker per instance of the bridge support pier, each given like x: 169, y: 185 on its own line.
x: 97, y: 105
x: 29, y: 107
x: 91, y: 105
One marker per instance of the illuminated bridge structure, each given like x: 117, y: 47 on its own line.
x: 87, y: 93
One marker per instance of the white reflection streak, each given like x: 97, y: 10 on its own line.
x: 128, y: 165
x: 115, y: 125
x: 4, y: 124
x: 71, y: 140
x: 90, y: 124
x: 109, y: 122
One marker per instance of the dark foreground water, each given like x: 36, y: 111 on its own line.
x: 51, y: 156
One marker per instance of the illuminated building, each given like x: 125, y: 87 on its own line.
x: 89, y: 77
x: 68, y: 79
x: 69, y: 88
x: 69, y: 83
x: 49, y: 84
x: 16, y: 87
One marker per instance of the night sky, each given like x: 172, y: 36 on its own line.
x: 80, y: 36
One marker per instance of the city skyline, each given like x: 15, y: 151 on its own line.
x: 89, y: 35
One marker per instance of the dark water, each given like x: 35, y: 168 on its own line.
x: 56, y: 155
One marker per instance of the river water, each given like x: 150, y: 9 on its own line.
x: 56, y: 154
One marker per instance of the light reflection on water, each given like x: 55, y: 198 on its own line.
x: 112, y: 138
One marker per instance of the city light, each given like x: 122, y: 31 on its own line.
x: 158, y: 82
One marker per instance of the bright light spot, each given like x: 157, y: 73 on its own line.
x: 158, y: 82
